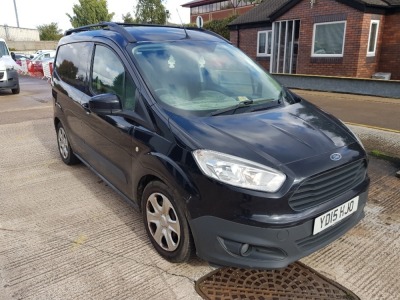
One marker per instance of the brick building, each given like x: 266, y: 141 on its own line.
x: 216, y: 10
x: 347, y: 38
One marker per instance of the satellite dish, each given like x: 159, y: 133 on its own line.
x: 199, y: 22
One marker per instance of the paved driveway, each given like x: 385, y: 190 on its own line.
x: 64, y: 234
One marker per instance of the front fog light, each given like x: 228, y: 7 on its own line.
x: 238, y: 171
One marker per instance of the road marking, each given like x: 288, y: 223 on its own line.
x: 373, y: 127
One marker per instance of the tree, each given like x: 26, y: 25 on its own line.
x: 89, y: 12
x: 67, y: 70
x: 151, y: 11
x: 128, y: 18
x: 220, y: 26
x: 49, y: 32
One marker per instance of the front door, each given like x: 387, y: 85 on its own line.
x: 108, y: 139
x: 285, y: 46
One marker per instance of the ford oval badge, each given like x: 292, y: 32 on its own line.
x: 336, y: 156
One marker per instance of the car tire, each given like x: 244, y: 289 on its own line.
x: 16, y: 90
x: 64, y: 148
x: 165, y: 222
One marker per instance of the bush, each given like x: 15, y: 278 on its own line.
x: 220, y: 26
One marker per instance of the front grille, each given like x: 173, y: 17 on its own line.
x: 326, y: 186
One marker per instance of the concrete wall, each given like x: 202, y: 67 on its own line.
x: 380, y: 88
x: 32, y: 46
x: 19, y: 34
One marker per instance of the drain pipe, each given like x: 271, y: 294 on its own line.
x: 238, y: 36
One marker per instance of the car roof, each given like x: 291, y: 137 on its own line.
x: 123, y: 33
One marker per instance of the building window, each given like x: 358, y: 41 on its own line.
x: 373, y: 38
x: 328, y: 39
x: 264, y: 41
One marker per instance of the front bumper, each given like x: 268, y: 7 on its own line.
x: 9, y: 79
x: 221, y: 241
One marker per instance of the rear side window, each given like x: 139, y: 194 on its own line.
x: 72, y: 64
x: 109, y: 76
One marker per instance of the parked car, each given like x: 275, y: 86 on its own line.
x: 8, y: 72
x: 37, y: 53
x: 35, y: 65
x: 218, y: 156
x: 19, y: 57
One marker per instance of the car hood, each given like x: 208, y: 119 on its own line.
x: 6, y: 62
x: 280, y: 136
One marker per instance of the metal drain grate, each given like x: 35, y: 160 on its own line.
x: 295, y: 282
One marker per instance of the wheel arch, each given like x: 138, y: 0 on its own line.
x: 160, y: 167
x: 56, y: 122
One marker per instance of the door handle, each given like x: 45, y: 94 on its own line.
x: 59, y: 105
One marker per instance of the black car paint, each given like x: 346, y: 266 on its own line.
x: 128, y: 150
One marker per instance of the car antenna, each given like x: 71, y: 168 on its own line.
x: 183, y: 25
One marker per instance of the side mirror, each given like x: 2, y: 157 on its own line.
x: 13, y: 56
x: 105, y: 104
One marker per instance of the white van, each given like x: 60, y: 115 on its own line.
x: 8, y: 72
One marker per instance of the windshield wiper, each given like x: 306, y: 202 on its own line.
x: 233, y: 108
x: 267, y: 105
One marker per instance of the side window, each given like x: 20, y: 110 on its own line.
x: 109, y: 76
x: 72, y: 64
x: 373, y: 38
x: 264, y: 42
x: 328, y: 39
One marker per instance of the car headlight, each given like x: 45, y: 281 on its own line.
x: 238, y: 171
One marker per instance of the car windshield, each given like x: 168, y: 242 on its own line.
x: 3, y: 49
x: 203, y: 78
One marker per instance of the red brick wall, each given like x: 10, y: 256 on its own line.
x: 206, y: 18
x: 355, y: 62
x: 248, y: 44
x: 367, y: 66
x: 221, y: 14
x: 390, y: 50
x: 348, y: 65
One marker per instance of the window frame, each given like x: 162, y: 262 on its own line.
x: 373, y: 53
x: 268, y: 42
x: 325, y: 54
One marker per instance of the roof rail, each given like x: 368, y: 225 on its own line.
x: 107, y: 25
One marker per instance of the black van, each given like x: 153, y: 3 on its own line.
x: 217, y: 156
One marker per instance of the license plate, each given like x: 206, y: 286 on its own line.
x: 335, y: 215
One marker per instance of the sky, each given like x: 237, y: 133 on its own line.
x: 32, y: 13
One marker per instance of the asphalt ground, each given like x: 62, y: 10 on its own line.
x: 373, y: 112
x: 64, y: 234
